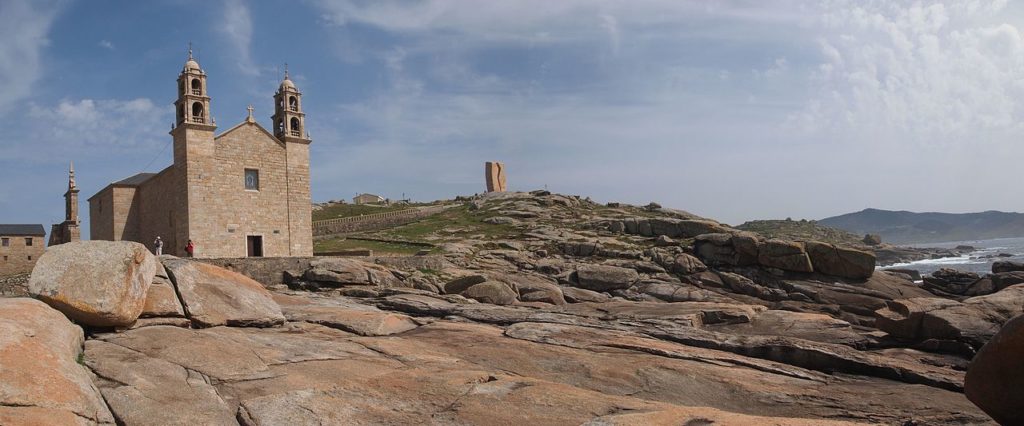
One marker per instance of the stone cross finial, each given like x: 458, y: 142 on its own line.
x: 285, y: 70
x: 190, y: 50
x: 250, y: 118
x: 71, y: 176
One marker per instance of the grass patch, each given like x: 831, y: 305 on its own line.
x: 378, y: 247
x: 453, y: 223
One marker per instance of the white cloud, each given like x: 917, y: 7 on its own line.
x: 923, y: 72
x: 237, y: 27
x: 24, y: 26
x: 106, y: 44
x: 736, y: 110
x: 89, y: 128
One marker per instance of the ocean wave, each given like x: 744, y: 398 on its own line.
x: 958, y: 260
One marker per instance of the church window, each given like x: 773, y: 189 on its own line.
x: 28, y: 242
x: 252, y: 179
x: 197, y: 88
x: 30, y: 258
x: 293, y: 103
x: 5, y: 258
x: 295, y: 126
x: 6, y: 242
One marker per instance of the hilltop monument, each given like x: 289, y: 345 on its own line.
x: 242, y: 193
x: 494, y: 172
x: 70, y: 229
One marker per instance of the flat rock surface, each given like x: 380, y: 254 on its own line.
x: 437, y: 361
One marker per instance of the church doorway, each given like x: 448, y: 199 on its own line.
x: 254, y: 245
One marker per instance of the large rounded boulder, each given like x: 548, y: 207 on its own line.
x: 95, y: 283
x: 995, y: 378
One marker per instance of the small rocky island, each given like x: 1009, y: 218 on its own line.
x: 524, y: 308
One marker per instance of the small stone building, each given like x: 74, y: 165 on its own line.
x: 244, y: 192
x: 69, y: 230
x: 367, y: 199
x: 20, y: 248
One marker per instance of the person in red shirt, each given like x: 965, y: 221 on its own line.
x: 190, y: 248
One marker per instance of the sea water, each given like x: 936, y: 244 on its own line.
x: 978, y: 261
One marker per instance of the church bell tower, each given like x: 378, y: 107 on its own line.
x: 193, y: 104
x: 289, y: 120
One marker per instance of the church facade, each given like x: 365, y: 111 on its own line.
x: 241, y: 193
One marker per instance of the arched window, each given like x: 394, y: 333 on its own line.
x: 197, y: 87
x: 181, y: 113
x: 293, y: 103
x: 295, y: 126
x: 280, y: 125
x: 181, y: 87
x: 197, y: 113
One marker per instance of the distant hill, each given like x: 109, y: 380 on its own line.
x: 801, y: 230
x: 903, y: 227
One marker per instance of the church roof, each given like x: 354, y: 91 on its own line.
x: 135, y: 180
x: 32, y: 230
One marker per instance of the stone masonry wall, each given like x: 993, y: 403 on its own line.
x: 18, y: 257
x: 371, y: 222
x: 158, y: 213
x: 222, y: 213
x: 101, y: 216
x: 300, y: 203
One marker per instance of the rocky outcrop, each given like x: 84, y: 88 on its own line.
x: 40, y: 380
x: 840, y: 261
x: 493, y: 292
x: 215, y: 296
x: 605, y: 278
x: 668, y: 227
x: 1007, y: 266
x: 162, y: 298
x: 96, y: 283
x: 948, y: 281
x: 950, y: 325
x: 784, y: 255
x: 335, y: 272
x: 996, y: 376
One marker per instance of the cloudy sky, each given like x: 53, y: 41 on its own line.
x: 734, y: 110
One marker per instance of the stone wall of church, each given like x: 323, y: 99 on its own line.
x: 300, y: 202
x: 17, y: 257
x: 159, y: 213
x: 113, y: 214
x: 229, y: 212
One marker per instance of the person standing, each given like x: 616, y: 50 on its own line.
x: 158, y: 246
x: 190, y: 248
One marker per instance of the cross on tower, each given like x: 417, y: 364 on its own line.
x: 250, y: 118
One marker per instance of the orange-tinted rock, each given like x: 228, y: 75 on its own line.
x: 995, y: 378
x: 40, y: 379
x: 216, y: 296
x: 98, y: 283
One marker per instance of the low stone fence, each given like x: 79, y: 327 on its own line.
x: 271, y: 270
x: 373, y: 221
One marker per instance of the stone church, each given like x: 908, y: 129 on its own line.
x: 243, y: 192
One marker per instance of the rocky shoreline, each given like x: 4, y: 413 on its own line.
x: 589, y: 315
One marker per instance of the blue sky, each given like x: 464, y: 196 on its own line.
x: 734, y: 110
